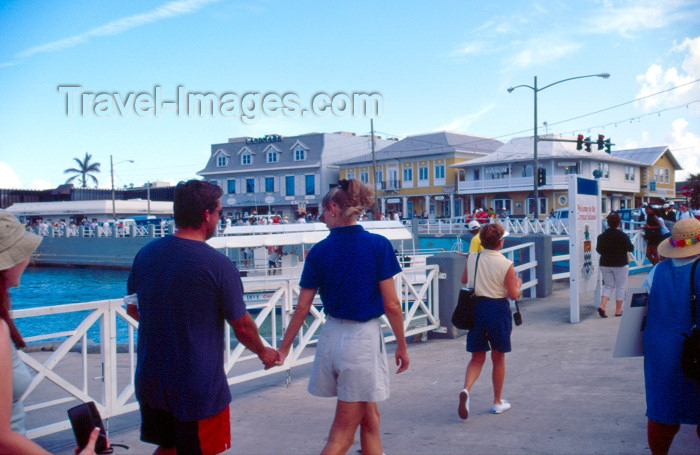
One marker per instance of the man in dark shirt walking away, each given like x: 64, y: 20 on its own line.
x: 186, y: 292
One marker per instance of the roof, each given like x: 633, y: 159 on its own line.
x: 297, y: 234
x: 520, y: 149
x: 431, y: 144
x: 90, y: 208
x: 648, y: 155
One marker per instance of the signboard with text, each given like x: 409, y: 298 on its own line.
x: 585, y: 224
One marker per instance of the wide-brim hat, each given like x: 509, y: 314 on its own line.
x: 684, y: 241
x: 16, y: 244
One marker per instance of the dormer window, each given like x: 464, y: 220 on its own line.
x: 222, y: 158
x: 246, y: 158
x: 299, y: 151
x: 272, y: 154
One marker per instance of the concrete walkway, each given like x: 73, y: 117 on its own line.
x: 569, y: 396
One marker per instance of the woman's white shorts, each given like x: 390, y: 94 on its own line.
x: 350, y: 362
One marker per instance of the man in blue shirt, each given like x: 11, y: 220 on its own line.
x: 187, y: 291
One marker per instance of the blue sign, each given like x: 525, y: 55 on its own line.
x: 652, y: 185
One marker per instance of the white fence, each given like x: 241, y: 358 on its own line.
x: 526, y: 225
x: 71, y: 374
x: 636, y: 259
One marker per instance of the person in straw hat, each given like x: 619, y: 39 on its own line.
x: 16, y: 245
x: 672, y: 398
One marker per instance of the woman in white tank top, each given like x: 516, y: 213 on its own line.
x: 495, y: 283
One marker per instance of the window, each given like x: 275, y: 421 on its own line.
x: 214, y: 182
x: 440, y: 172
x: 246, y: 158
x: 272, y: 156
x: 231, y: 186
x: 250, y: 185
x: 571, y: 169
x: 499, y: 204
x: 423, y: 175
x: 289, y: 185
x: 310, y: 185
x: 269, y: 184
x: 379, y: 179
x: 629, y: 173
x: 364, y: 177
x: 530, y: 206
x: 349, y: 175
x: 527, y: 171
x: 407, y: 177
x: 299, y: 154
x: 604, y: 170
x: 221, y: 160
x: 666, y: 176
x: 476, y: 174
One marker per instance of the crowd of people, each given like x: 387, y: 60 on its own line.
x: 186, y: 293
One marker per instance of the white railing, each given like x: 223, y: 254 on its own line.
x: 513, y: 225
x: 71, y: 374
x: 100, y: 231
x: 636, y: 259
x: 529, y: 284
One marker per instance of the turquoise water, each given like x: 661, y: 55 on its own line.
x: 48, y: 286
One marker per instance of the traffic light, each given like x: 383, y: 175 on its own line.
x: 579, y: 142
x: 587, y: 141
x: 541, y: 176
x: 608, y: 145
x: 600, y: 141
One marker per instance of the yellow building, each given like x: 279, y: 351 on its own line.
x: 414, y: 177
x: 657, y: 173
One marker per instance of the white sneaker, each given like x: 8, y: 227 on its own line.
x: 499, y: 408
x: 463, y: 409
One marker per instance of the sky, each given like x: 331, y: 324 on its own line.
x: 122, y: 80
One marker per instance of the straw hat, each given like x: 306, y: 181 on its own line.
x: 685, y: 240
x: 16, y: 244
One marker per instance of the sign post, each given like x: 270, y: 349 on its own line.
x: 584, y: 228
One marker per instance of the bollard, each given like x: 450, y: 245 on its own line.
x: 451, y: 264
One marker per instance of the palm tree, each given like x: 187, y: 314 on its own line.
x: 83, y: 171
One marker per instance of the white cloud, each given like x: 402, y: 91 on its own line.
x: 166, y: 11
x: 462, y: 124
x: 685, y: 146
x: 639, y: 15
x: 540, y: 51
x: 657, y: 79
x: 8, y: 177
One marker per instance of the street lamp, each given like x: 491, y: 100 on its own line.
x: 111, y: 169
x: 535, y: 90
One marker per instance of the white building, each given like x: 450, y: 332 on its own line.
x: 504, y: 178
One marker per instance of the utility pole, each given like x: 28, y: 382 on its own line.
x: 375, y: 215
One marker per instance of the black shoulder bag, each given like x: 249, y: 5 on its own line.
x: 690, y: 359
x: 465, y: 312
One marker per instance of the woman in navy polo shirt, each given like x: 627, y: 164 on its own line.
x: 353, y: 271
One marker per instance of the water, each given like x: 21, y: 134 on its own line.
x: 48, y: 286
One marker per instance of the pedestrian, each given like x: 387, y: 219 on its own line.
x: 475, y: 242
x: 672, y: 398
x: 613, y: 246
x: 353, y: 271
x: 683, y: 213
x: 16, y: 246
x: 494, y: 282
x: 186, y: 292
x: 652, y: 235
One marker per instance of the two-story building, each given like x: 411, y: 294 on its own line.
x: 504, y: 179
x: 281, y: 175
x: 414, y: 176
x: 657, y: 175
